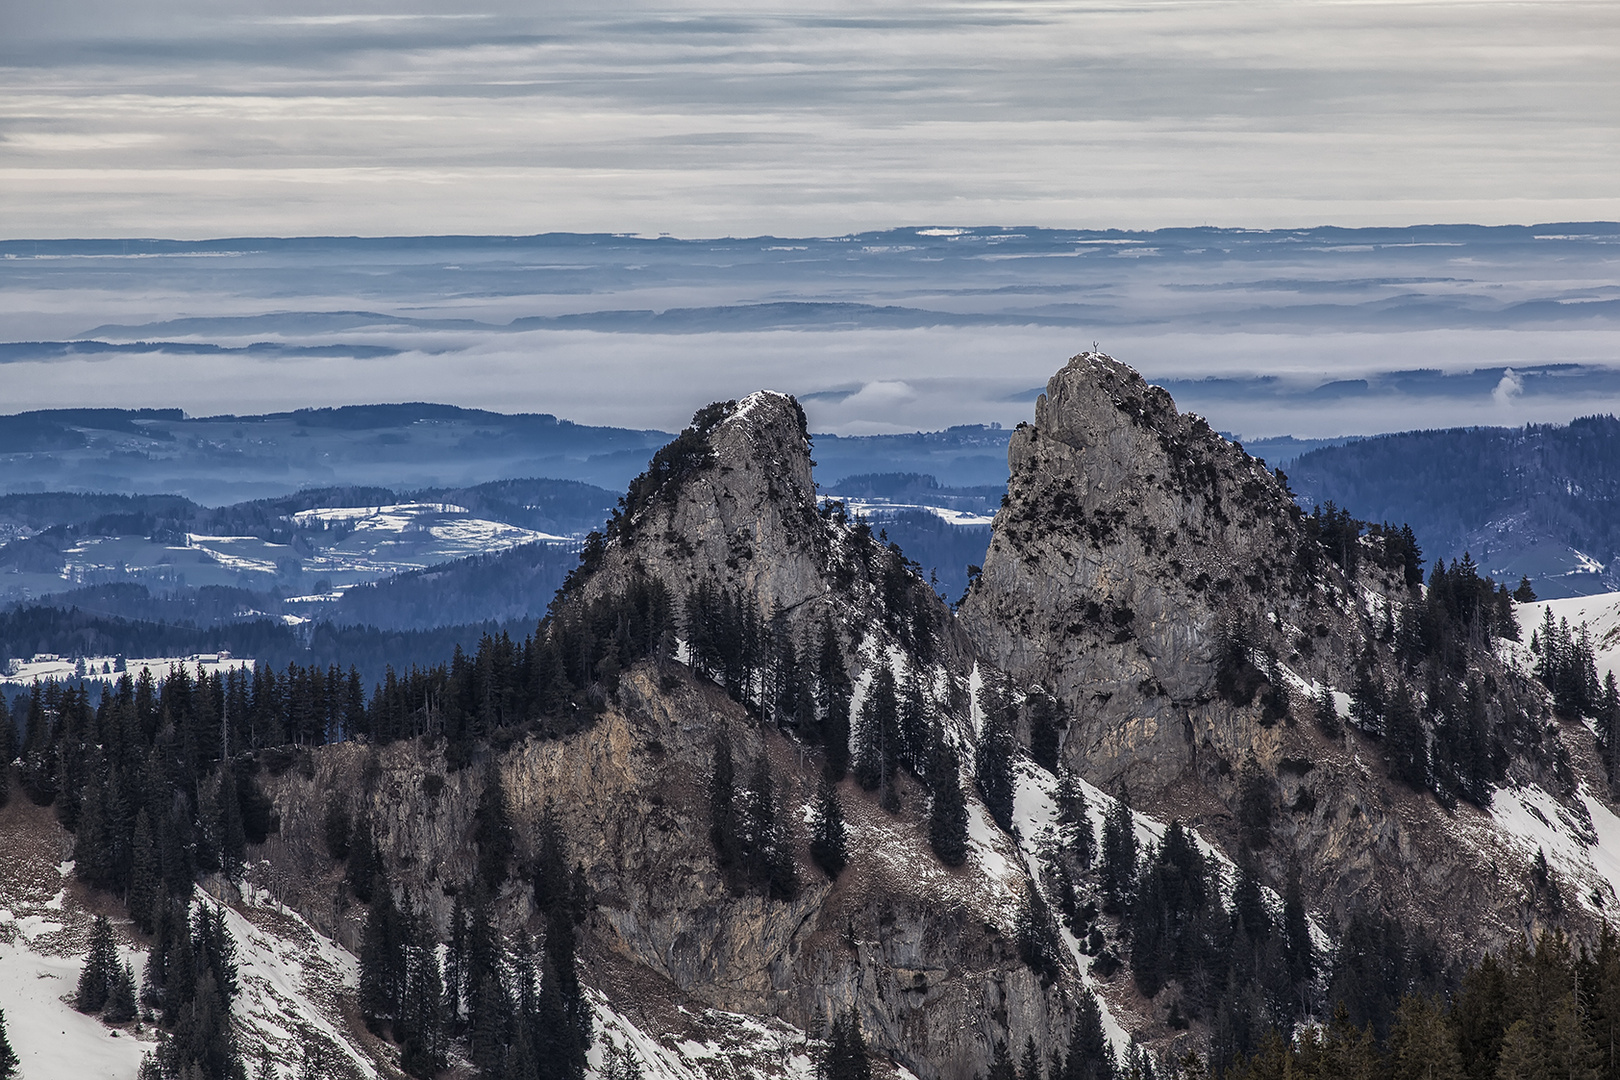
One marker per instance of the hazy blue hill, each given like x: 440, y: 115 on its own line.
x: 1541, y: 501
x: 227, y: 459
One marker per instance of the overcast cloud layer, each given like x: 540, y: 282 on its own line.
x: 1313, y: 333
x: 182, y: 118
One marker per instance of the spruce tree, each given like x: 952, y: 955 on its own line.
x: 845, y: 1057
x: 232, y: 834
x: 8, y: 1057
x: 1090, y: 1057
x: 993, y: 759
x: 827, y: 843
x: 1405, y: 742
x: 381, y: 956
x: 96, y: 975
x: 490, y: 1019
x: 1367, y: 694
x: 92, y: 848
x: 1327, y: 712
x: 877, y: 736
x: 492, y: 831
x: 120, y: 996
x: 947, y: 811
x: 1118, y: 871
x: 364, y: 865
x: 724, y: 826
x: 421, y: 1025
x: 1001, y: 1063
x: 1037, y: 941
x: 1074, y: 820
x: 336, y: 827
x: 1045, y: 729
x: 1029, y: 1067
x: 1522, y: 1057
x: 146, y: 875
x: 1299, y: 951
x: 1256, y: 803
x: 8, y: 749
x: 768, y: 839
x: 832, y: 677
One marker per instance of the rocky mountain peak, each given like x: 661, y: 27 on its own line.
x: 1131, y: 532
x: 1163, y: 586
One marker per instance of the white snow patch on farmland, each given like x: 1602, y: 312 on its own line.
x: 874, y: 509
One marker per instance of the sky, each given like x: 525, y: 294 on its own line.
x: 192, y: 119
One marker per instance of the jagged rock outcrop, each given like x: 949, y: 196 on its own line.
x: 732, y: 503
x: 1134, y: 542
x: 923, y: 952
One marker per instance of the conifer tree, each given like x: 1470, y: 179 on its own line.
x: 1090, y: 1056
x: 364, y: 866
x: 8, y: 749
x: 947, y: 810
x: 1036, y: 938
x: 1522, y: 1057
x: 489, y: 1019
x: 916, y: 723
x: 1257, y: 803
x: 1118, y: 871
x: 724, y: 826
x: 993, y: 759
x: 1029, y: 1066
x: 1001, y: 1063
x: 845, y: 1056
x: 1327, y: 712
x: 232, y: 834
x: 337, y: 827
x: 145, y: 876
x: 1404, y: 740
x: 1045, y: 729
x: 421, y: 1028
x: 1299, y: 952
x: 877, y: 736
x: 120, y: 996
x: 96, y: 975
x: 832, y: 677
x: 766, y: 836
x: 8, y: 1057
x: 827, y: 843
x: 216, y: 950
x: 382, y: 952
x: 492, y: 831
x: 1367, y: 694
x: 1074, y: 820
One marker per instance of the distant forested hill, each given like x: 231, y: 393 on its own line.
x: 1541, y: 501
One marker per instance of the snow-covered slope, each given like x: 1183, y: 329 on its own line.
x: 1600, y: 614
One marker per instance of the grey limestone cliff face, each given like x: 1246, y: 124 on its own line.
x: 1133, y: 537
x: 921, y: 951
